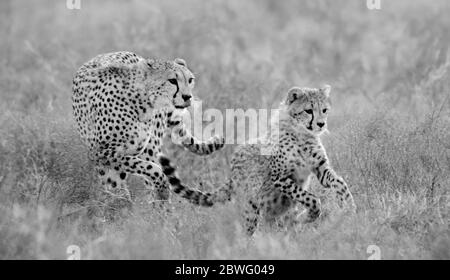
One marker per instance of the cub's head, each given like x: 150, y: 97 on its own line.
x: 309, y: 107
x: 170, y: 83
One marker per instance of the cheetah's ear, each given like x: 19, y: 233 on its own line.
x: 180, y: 61
x: 293, y: 94
x: 326, y: 89
x: 151, y: 62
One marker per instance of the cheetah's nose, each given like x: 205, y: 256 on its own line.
x: 186, y: 97
x: 320, y: 124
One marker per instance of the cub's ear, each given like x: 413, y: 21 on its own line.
x: 180, y: 61
x: 293, y: 94
x: 326, y: 89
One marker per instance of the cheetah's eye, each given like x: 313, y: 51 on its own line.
x: 173, y: 82
x: 325, y: 110
x: 191, y: 80
x: 309, y: 111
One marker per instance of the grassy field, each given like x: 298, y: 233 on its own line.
x: 390, y: 123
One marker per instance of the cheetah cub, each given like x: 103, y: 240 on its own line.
x: 273, y: 178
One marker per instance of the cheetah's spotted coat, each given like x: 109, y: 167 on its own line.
x: 275, y: 183
x: 123, y: 106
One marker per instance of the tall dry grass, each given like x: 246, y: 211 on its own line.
x: 390, y: 122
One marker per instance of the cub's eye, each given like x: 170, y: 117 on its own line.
x: 325, y: 110
x: 191, y: 80
x: 173, y: 81
x: 309, y: 111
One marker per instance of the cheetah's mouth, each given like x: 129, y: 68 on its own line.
x: 184, y: 105
x: 181, y: 106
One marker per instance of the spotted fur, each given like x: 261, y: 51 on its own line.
x: 274, y: 177
x: 123, y: 107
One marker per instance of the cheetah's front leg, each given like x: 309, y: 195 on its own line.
x: 181, y: 135
x: 114, y: 196
x: 329, y: 179
x: 115, y: 168
x: 161, y: 186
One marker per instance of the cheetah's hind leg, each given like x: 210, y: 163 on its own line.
x: 251, y: 216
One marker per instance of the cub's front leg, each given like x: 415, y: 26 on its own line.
x: 328, y: 178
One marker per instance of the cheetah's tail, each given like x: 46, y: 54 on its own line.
x: 196, y: 197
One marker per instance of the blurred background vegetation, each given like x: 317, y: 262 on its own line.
x: 390, y: 122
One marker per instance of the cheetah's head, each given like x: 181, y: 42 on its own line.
x: 171, y: 82
x: 309, y: 107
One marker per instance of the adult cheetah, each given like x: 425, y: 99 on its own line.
x: 123, y: 106
x: 274, y: 177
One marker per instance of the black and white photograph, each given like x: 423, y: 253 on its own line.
x: 225, y: 137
